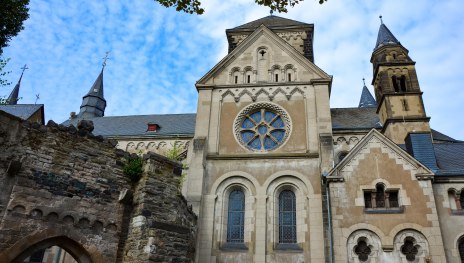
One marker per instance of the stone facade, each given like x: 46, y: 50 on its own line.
x: 63, y: 186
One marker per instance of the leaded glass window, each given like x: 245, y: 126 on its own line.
x: 461, y: 249
x: 287, y: 217
x: 362, y: 250
x: 236, y: 217
x: 461, y: 199
x: 262, y: 130
x: 409, y: 250
x: 380, y: 196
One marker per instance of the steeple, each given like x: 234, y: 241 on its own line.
x: 385, y: 36
x: 94, y: 103
x: 13, y: 98
x: 366, y: 100
x: 401, y: 108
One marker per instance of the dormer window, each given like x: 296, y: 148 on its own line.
x: 153, y: 127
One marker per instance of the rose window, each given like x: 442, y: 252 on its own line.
x: 262, y: 128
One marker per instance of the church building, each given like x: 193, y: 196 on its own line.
x: 277, y: 175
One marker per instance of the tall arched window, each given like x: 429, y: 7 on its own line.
x: 236, y: 217
x: 461, y: 249
x: 461, y: 199
x: 287, y: 217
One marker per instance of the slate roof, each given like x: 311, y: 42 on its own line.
x: 366, y: 100
x: 23, y: 111
x: 271, y: 22
x: 97, y: 88
x: 385, y: 37
x: 354, y: 118
x: 182, y: 125
x: 13, y: 98
x: 450, y: 158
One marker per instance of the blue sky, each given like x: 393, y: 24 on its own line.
x: 157, y: 54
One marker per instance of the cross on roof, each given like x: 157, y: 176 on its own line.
x: 24, y: 68
x: 105, y: 58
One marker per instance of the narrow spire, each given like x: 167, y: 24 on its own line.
x: 385, y: 36
x: 94, y: 103
x: 366, y: 100
x: 13, y: 98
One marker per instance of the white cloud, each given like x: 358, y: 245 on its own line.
x: 157, y: 54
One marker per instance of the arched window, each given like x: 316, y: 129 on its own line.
x: 287, y: 217
x: 380, y: 195
x: 236, y: 217
x: 461, y: 249
x: 403, y: 83
x: 461, y: 199
x: 395, y: 84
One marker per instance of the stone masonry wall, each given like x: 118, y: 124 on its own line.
x: 63, y: 186
x: 162, y: 227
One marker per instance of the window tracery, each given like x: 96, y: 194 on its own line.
x: 262, y: 127
x: 409, y: 249
x: 362, y: 250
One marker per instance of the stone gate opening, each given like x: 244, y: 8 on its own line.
x: 69, y: 246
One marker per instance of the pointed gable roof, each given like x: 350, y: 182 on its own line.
x: 385, y: 37
x: 262, y: 30
x: 271, y: 22
x: 371, y: 136
x: 366, y: 100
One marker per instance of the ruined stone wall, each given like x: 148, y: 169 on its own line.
x: 162, y: 227
x: 63, y: 186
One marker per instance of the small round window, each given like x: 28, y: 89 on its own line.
x: 262, y: 127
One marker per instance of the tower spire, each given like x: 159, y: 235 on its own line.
x: 94, y: 103
x: 385, y: 36
x: 366, y: 100
x: 13, y: 98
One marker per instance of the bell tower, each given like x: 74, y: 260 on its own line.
x: 400, y: 106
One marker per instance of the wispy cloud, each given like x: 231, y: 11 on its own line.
x: 157, y: 54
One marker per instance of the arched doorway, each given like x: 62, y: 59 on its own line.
x: 60, y: 245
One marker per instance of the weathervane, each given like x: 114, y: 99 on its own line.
x: 271, y: 12
x: 37, y: 97
x: 364, y: 81
x: 105, y: 58
x: 381, y: 21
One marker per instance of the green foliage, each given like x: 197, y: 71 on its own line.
x: 194, y: 6
x: 174, y: 152
x: 133, y: 169
x: 281, y: 5
x: 3, y: 81
x: 12, y: 15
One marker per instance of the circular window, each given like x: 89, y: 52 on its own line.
x: 262, y: 127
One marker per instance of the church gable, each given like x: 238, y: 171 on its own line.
x: 374, y: 144
x: 263, y: 57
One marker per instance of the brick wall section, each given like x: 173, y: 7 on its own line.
x: 61, y: 186
x: 163, y: 227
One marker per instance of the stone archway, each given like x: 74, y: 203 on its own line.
x: 71, y: 246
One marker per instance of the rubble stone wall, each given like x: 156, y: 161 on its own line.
x: 63, y: 186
